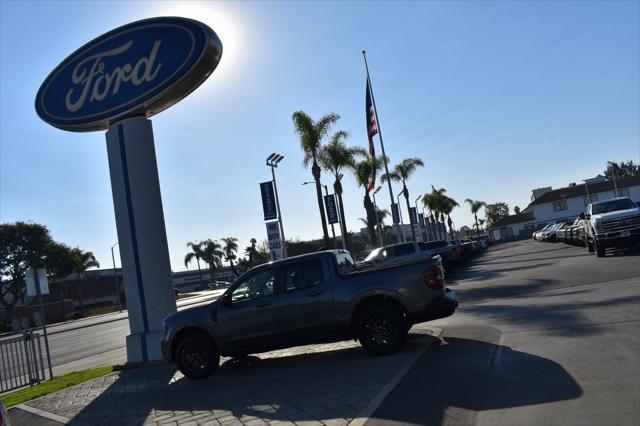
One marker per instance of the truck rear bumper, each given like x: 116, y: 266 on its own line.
x: 440, y: 307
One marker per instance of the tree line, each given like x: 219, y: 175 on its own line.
x: 30, y: 245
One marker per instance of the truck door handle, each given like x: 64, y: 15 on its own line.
x: 263, y: 304
x: 315, y: 293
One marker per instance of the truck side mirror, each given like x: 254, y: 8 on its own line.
x: 582, y: 216
x: 226, y: 299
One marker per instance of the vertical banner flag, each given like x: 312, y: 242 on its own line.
x: 412, y: 215
x: 394, y: 213
x: 421, y: 219
x: 372, y: 130
x: 275, y: 241
x: 268, y: 201
x: 330, y: 206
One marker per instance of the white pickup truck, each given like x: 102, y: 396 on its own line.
x: 611, y: 223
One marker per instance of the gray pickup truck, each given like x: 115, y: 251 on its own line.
x: 313, y: 298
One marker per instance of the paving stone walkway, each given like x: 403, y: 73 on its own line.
x: 310, y: 385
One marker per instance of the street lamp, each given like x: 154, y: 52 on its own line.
x: 404, y: 238
x: 272, y: 161
x: 417, y: 221
x: 115, y: 277
x: 375, y: 209
x: 333, y: 231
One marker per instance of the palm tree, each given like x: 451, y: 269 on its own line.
x: 83, y: 260
x: 195, y: 253
x: 435, y: 201
x: 475, y: 208
x: 401, y: 173
x: 334, y: 157
x: 311, y: 134
x: 448, y: 205
x: 364, y: 171
x: 230, y: 249
x: 211, y: 254
x: 251, y: 250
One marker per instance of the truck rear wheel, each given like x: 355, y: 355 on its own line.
x: 382, y: 330
x: 196, y: 356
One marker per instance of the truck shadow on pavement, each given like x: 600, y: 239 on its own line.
x: 466, y: 372
x: 457, y: 376
x: 293, y: 385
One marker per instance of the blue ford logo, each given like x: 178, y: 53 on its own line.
x: 139, y: 69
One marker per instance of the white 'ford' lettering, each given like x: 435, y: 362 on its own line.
x: 97, y: 84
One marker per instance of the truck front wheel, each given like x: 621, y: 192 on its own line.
x: 196, y: 356
x: 589, y: 245
x: 382, y: 330
x: 598, y: 248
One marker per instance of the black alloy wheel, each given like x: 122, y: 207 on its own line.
x: 196, y: 356
x: 382, y: 331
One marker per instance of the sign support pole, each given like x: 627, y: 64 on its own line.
x: 275, y: 190
x: 36, y: 279
x: 142, y: 238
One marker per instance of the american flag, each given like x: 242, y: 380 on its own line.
x: 372, y: 129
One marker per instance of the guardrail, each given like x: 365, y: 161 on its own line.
x: 21, y: 361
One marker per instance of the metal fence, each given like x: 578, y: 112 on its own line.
x: 21, y: 361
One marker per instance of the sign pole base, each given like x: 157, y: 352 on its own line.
x: 142, y: 237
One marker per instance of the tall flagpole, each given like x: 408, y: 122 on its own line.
x: 375, y: 110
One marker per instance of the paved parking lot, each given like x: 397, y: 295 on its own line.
x: 545, y: 334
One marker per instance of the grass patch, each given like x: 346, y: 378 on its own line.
x: 54, y: 385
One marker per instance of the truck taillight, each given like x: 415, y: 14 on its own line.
x: 434, y: 278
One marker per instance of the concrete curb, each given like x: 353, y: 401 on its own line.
x: 363, y: 416
x: 49, y: 416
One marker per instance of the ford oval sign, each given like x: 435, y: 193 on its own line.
x: 135, y: 70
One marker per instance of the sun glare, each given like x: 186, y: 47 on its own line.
x: 222, y: 21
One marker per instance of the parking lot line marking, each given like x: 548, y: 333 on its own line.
x: 373, y: 405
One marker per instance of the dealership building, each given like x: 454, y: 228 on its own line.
x: 551, y: 205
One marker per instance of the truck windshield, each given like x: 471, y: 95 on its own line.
x: 612, y: 205
x: 345, y: 262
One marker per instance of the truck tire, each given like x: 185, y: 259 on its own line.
x: 598, y: 248
x: 197, y: 356
x: 382, y: 329
x: 589, y: 244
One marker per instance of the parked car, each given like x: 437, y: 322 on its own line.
x: 538, y: 234
x: 313, y: 298
x: 551, y: 232
x: 450, y: 253
x: 395, y: 253
x: 611, y: 223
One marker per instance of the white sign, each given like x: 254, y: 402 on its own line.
x: 31, y: 282
x: 275, y: 241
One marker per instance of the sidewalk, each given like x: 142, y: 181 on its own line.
x: 331, y: 384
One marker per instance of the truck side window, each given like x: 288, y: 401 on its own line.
x: 403, y: 250
x: 257, y: 285
x: 303, y: 275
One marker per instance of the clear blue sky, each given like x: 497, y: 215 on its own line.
x: 497, y: 98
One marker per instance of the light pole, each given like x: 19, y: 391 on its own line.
x: 417, y: 221
x: 426, y: 225
x: 333, y: 231
x: 272, y: 161
x: 115, y: 277
x: 375, y: 209
x: 404, y: 238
